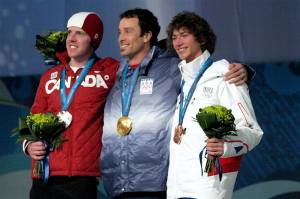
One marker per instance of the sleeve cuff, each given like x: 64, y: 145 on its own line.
x: 227, y: 150
x: 25, y: 145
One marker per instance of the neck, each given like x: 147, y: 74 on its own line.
x: 79, y: 62
x: 192, y: 58
x: 138, y: 58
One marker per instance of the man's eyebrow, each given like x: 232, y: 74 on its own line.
x: 130, y: 27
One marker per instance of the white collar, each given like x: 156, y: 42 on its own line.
x: 75, y: 69
x: 190, y: 70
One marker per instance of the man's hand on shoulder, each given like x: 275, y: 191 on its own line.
x: 237, y: 74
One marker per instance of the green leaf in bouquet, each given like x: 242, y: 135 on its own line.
x: 22, y: 128
x: 59, y: 128
x: 57, y: 142
x: 22, y: 123
x: 26, y: 137
x: 206, y: 120
x: 22, y: 131
x: 216, y: 121
x: 41, y: 126
x: 52, y: 129
x: 36, y: 130
x: 51, y: 43
x: 46, y: 131
x: 211, y: 133
x: 45, y: 47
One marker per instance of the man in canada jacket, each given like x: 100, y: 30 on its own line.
x: 74, y: 168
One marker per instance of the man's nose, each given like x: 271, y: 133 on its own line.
x: 177, y: 41
x: 71, y: 37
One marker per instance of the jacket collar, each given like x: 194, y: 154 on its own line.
x: 146, y: 62
x: 64, y: 59
x: 190, y: 70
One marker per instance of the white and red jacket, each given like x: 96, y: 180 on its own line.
x: 79, y: 155
x: 184, y: 176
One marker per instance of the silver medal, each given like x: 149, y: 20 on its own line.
x: 66, y: 117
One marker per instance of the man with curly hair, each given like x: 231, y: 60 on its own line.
x: 203, y: 85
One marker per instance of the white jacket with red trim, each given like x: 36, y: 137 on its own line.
x: 184, y: 177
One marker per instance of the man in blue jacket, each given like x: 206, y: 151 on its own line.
x: 139, y: 111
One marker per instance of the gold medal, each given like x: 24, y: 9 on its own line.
x: 179, y: 132
x: 124, y: 125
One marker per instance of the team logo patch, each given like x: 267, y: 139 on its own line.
x: 207, y: 91
x: 53, y: 75
x: 146, y: 86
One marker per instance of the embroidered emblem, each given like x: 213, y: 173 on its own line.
x: 53, y: 75
x: 146, y: 86
x: 207, y: 91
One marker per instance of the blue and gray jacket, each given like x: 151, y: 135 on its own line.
x: 139, y: 162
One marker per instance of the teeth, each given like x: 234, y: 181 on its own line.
x: 180, y: 49
x: 71, y: 46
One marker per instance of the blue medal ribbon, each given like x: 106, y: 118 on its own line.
x: 66, y: 100
x: 216, y: 160
x: 45, y: 163
x: 65, y: 103
x: 127, y: 96
x: 200, y: 157
x: 184, y: 102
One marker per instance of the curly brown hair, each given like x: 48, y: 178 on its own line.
x: 197, y: 26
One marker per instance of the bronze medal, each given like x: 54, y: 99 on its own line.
x: 124, y: 125
x: 179, y: 132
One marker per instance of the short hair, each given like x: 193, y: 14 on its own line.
x: 147, y: 22
x: 197, y: 26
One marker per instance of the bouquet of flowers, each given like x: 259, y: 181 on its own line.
x: 48, y: 45
x: 216, y: 121
x: 45, y: 127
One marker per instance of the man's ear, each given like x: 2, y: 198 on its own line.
x: 202, y: 41
x: 147, y: 36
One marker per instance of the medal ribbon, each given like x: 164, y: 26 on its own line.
x: 45, y: 163
x: 216, y: 160
x: 127, y: 96
x: 66, y: 100
x: 184, y: 102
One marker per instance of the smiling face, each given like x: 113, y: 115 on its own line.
x: 132, y: 44
x: 79, y: 46
x: 186, y: 45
